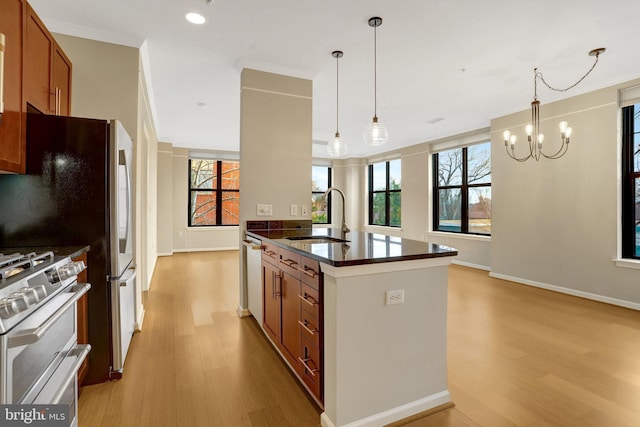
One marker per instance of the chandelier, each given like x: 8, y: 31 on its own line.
x: 534, y: 137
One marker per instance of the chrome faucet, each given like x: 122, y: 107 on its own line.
x: 344, y: 228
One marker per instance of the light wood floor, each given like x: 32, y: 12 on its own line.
x: 518, y: 356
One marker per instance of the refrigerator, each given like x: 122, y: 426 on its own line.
x: 77, y: 191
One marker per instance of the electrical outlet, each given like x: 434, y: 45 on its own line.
x: 264, y: 210
x: 293, y: 210
x: 304, y: 210
x: 394, y: 297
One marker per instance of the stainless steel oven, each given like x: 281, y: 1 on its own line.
x: 39, y: 353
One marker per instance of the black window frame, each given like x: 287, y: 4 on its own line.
x: 629, y: 179
x: 387, y: 195
x: 464, y: 193
x: 218, y: 190
x: 328, y: 207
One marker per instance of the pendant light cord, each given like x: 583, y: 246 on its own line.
x: 375, y: 71
x: 337, y: 82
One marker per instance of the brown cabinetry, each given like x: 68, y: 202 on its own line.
x: 292, y: 312
x: 47, y: 75
x: 12, y: 124
x: 37, y: 73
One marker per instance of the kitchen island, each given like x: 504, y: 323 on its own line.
x: 382, y: 362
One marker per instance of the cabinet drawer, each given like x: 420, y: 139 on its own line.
x: 310, y: 301
x: 310, y: 328
x: 289, y: 262
x: 311, y: 367
x: 270, y: 252
x: 310, y: 272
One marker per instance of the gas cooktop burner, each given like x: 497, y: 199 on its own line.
x: 16, y: 263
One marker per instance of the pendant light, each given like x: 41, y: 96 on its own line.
x: 337, y: 147
x: 375, y: 134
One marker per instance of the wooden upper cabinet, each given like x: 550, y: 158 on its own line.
x: 38, y: 64
x: 61, y: 82
x: 12, y: 124
x: 36, y: 72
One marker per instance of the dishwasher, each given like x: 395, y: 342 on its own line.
x: 254, y: 276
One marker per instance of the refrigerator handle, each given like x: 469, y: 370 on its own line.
x: 128, y: 276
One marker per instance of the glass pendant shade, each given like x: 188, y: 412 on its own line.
x: 375, y: 133
x: 337, y: 147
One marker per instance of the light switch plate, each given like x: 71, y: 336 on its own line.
x: 293, y: 210
x: 264, y: 210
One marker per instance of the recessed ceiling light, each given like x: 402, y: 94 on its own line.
x: 195, y: 18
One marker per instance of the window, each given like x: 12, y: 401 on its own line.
x: 631, y: 181
x: 214, y: 192
x: 320, y: 182
x: 462, y: 190
x: 384, y: 193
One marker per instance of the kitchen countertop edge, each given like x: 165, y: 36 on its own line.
x: 280, y: 241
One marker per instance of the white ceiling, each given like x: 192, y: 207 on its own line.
x: 464, y: 61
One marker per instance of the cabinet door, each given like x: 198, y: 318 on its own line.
x: 290, y: 303
x: 271, y: 301
x: 12, y: 127
x: 61, y: 83
x: 38, y: 63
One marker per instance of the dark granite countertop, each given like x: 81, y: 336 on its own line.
x: 70, y: 251
x: 362, y: 248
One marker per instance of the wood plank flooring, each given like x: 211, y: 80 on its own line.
x: 517, y: 356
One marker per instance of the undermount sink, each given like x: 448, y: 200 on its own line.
x: 316, y: 239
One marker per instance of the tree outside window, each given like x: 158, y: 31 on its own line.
x: 320, y: 182
x: 214, y: 192
x: 385, y: 197
x: 462, y: 190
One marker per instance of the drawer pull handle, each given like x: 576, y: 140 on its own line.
x: 306, y: 324
x: 306, y: 299
x: 307, y: 367
x: 269, y: 253
x: 288, y: 262
x: 308, y: 271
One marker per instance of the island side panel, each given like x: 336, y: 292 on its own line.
x: 385, y: 362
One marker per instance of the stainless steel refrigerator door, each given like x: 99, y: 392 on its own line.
x: 120, y: 190
x: 122, y: 316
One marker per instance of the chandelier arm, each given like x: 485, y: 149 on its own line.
x: 514, y: 157
x: 561, y: 152
x: 539, y: 75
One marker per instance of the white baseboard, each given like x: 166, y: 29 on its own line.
x: 138, y: 325
x: 395, y: 414
x: 569, y: 291
x: 243, y: 312
x: 165, y: 253
x: 229, y: 248
x: 469, y: 264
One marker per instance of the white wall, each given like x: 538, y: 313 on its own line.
x: 275, y: 149
x: 350, y: 175
x: 174, y: 234
x: 555, y: 222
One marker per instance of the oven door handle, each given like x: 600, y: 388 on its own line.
x: 31, y: 336
x: 79, y: 352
